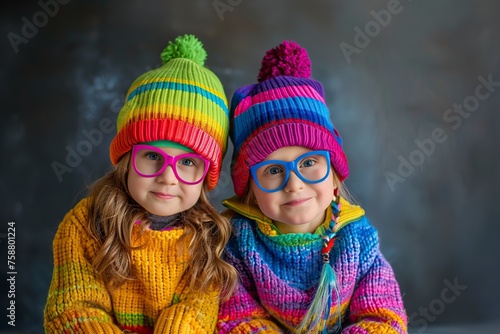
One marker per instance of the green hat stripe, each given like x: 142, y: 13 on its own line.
x: 168, y: 143
x: 180, y: 87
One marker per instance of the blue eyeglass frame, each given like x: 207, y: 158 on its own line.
x: 290, y: 166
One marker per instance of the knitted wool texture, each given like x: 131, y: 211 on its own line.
x: 279, y: 273
x: 182, y: 101
x: 285, y: 108
x: 158, y: 301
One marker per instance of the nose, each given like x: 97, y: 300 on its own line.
x: 168, y: 176
x: 294, y: 183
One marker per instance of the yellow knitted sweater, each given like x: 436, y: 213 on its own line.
x: 158, y: 301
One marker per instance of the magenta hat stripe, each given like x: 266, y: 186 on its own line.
x: 277, y: 93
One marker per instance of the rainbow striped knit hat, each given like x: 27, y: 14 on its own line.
x: 181, y: 101
x: 285, y: 108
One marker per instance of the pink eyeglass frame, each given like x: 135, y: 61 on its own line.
x: 169, y: 161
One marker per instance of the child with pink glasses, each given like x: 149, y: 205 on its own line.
x: 309, y: 260
x: 142, y: 253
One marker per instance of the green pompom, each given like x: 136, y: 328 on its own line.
x: 187, y: 46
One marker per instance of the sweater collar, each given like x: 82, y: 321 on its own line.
x: 348, y: 214
x: 162, y: 223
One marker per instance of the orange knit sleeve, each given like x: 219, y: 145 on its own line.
x: 78, y: 301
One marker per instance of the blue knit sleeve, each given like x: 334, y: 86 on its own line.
x: 243, y: 313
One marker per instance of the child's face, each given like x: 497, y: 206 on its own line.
x: 164, y: 194
x: 299, y: 207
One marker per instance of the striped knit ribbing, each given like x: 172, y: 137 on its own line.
x: 157, y: 301
x: 278, y: 275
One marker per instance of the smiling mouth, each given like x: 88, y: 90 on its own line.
x: 163, y: 195
x: 297, y: 202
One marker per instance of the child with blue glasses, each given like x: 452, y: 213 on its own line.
x: 309, y: 260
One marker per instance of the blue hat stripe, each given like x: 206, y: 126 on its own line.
x: 303, y: 108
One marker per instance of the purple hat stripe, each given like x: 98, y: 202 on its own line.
x: 286, y: 82
x: 240, y: 94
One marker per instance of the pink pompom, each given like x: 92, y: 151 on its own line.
x: 289, y: 59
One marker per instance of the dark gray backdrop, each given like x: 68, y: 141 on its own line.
x: 406, y: 82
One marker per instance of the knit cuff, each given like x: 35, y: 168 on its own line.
x: 180, y: 319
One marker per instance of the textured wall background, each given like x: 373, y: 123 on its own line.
x: 406, y: 81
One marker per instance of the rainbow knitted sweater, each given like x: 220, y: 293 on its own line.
x: 158, y: 301
x: 279, y: 272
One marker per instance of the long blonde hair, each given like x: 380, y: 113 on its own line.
x: 113, y: 213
